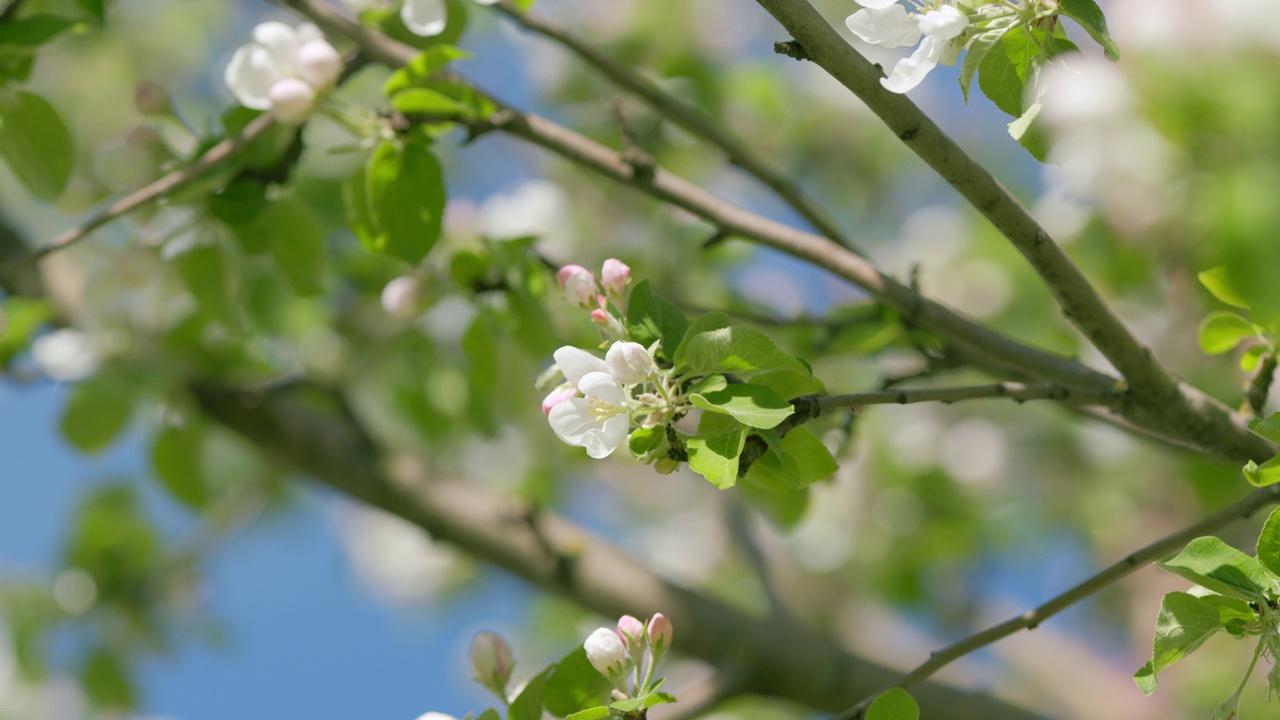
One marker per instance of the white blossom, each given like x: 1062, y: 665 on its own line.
x: 65, y: 355
x: 629, y: 363
x: 889, y: 25
x: 283, y: 70
x: 600, y: 420
x: 402, y: 296
x: 607, y: 654
x: 424, y: 18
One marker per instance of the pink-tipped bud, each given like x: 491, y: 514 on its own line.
x: 608, y: 655
x: 319, y: 64
x: 291, y: 100
x: 579, y: 285
x: 601, y: 317
x: 659, y: 634
x: 631, y: 631
x: 629, y: 363
x: 615, y: 276
x: 491, y: 662
x: 557, y: 396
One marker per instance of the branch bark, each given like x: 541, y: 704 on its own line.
x: 775, y: 656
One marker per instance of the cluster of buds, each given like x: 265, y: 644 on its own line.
x: 284, y: 70
x: 581, y: 289
x: 619, y: 653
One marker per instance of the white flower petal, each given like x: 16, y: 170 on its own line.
x: 65, y: 355
x: 319, y: 63
x: 910, y: 71
x: 250, y: 75
x: 572, y: 419
x: 306, y: 32
x: 291, y: 100
x: 575, y: 363
x: 281, y: 43
x: 604, y: 387
x: 601, y: 443
x: 485, y: 2
x: 890, y: 27
x: 424, y: 17
x: 877, y: 4
x: 944, y: 23
x: 629, y: 362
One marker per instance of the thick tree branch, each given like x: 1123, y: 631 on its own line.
x: 1080, y: 302
x: 1012, y: 391
x: 689, y: 118
x: 1188, y: 417
x: 309, y: 429
x: 1033, y: 618
x: 212, y: 157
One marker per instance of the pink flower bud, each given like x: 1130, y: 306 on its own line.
x: 660, y: 632
x: 631, y: 631
x: 578, y: 283
x: 607, y: 654
x: 601, y: 317
x: 615, y: 276
x: 319, y: 64
x: 557, y: 396
x: 291, y: 100
x: 491, y: 662
x: 401, y: 297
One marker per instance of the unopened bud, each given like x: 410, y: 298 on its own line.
x: 291, y: 100
x: 608, y: 655
x: 629, y: 362
x: 491, y: 662
x: 615, y: 276
x: 601, y: 317
x: 631, y: 631
x: 578, y: 283
x: 151, y: 100
x: 401, y: 297
x: 659, y: 634
x: 319, y: 64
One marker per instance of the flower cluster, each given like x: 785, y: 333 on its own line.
x: 284, y: 70
x: 424, y: 18
x: 620, y: 652
x: 889, y: 25
x: 580, y: 288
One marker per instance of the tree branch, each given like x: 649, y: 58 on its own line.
x: 1033, y: 618
x: 1017, y: 392
x: 778, y: 656
x: 688, y: 118
x: 228, y: 148
x: 1079, y: 300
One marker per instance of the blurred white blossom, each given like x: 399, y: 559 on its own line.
x: 537, y: 208
x: 283, y: 70
x: 65, y: 355
x: 398, y: 561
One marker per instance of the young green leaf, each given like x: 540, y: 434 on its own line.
x: 1090, y: 17
x: 34, y: 30
x: 422, y: 101
x: 798, y: 460
x: 204, y: 270
x: 1218, y: 282
x: 714, y: 344
x: 528, y: 705
x: 1268, y: 473
x: 751, y: 405
x: 651, y: 318
x: 790, y: 383
x: 594, y: 713
x: 1269, y: 543
x: 1215, y: 565
x: 785, y: 509
x: 98, y: 410
x: 1185, y: 622
x: 297, y: 245
x: 894, y: 704
x: 35, y: 143
x: 406, y: 200
x: 1268, y: 427
x: 977, y: 52
x: 715, y: 456
x: 1222, y: 331
x: 575, y: 686
x: 418, y: 71
x: 176, y: 459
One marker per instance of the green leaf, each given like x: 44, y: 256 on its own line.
x: 785, y: 509
x: 798, y: 460
x: 894, y: 704
x: 202, y: 264
x: 1185, y: 622
x: 35, y: 143
x: 790, y: 384
x: 421, y: 101
x: 1090, y: 17
x: 1218, y: 282
x: 1251, y: 357
x: 1268, y: 427
x: 419, y: 70
x: 1215, y: 565
x: 406, y: 199
x: 1005, y: 69
x: 575, y: 686
x: 481, y: 349
x: 657, y: 698
x: 95, y: 8
x: 752, y: 405
x: 1269, y: 543
x: 355, y: 200
x: 647, y: 440
x: 1222, y: 331
x: 528, y: 706
x: 34, y: 30
x: 976, y: 53
x: 177, y: 461
x: 98, y: 410
x: 107, y: 681
x: 1268, y: 473
x: 652, y: 318
x: 714, y: 344
x: 20, y: 318
x: 594, y: 713
x: 297, y: 245
x: 715, y: 456
x: 489, y: 714
x: 1031, y: 133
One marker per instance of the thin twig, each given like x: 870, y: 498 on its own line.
x: 165, y: 185
x: 688, y: 118
x: 1032, y: 618
x: 1018, y: 392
